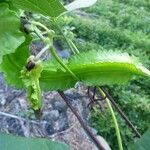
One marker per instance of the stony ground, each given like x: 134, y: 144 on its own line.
x: 57, y: 121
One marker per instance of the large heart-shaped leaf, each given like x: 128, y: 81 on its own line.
x: 13, y: 63
x: 10, y: 36
x: 51, y: 8
x: 77, y: 4
x: 9, y: 142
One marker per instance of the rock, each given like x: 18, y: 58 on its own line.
x: 12, y: 94
x: 60, y: 106
x: 36, y: 46
x: 2, y: 83
x: 54, y: 115
x: 63, y: 124
x: 73, y: 96
x: 23, y: 103
x: 94, y: 131
x: 14, y: 127
x: 51, y: 116
x: 2, y: 101
x: 103, y: 142
x: 49, y: 129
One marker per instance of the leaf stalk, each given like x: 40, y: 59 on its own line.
x: 114, y: 120
x: 68, y: 41
x: 48, y: 42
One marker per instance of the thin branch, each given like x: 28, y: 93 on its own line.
x: 60, y: 61
x: 68, y: 41
x: 118, y: 109
x: 83, y: 124
x: 19, y: 118
x: 64, y: 132
x: 39, y: 34
x: 42, y: 26
x: 48, y: 42
x: 114, y: 119
x: 42, y: 52
x: 123, y: 115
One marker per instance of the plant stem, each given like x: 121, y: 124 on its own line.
x: 42, y: 52
x: 42, y: 26
x: 123, y: 115
x: 101, y: 92
x: 73, y: 47
x: 39, y: 34
x: 97, y: 142
x: 68, y: 41
x: 114, y: 120
x: 53, y: 52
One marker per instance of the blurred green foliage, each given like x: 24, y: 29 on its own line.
x: 120, y: 25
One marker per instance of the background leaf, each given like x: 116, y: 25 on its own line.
x: 77, y: 4
x: 9, y: 142
x: 51, y: 8
x: 10, y: 36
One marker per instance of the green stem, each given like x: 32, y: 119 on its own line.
x: 53, y: 52
x: 42, y: 26
x: 39, y: 34
x: 114, y: 120
x: 42, y: 52
x: 68, y: 41
x: 74, y: 47
x: 101, y: 92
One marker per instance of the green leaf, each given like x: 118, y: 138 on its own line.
x: 9, y: 142
x: 51, y: 8
x: 77, y: 4
x: 10, y: 36
x: 143, y: 143
x: 13, y: 63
